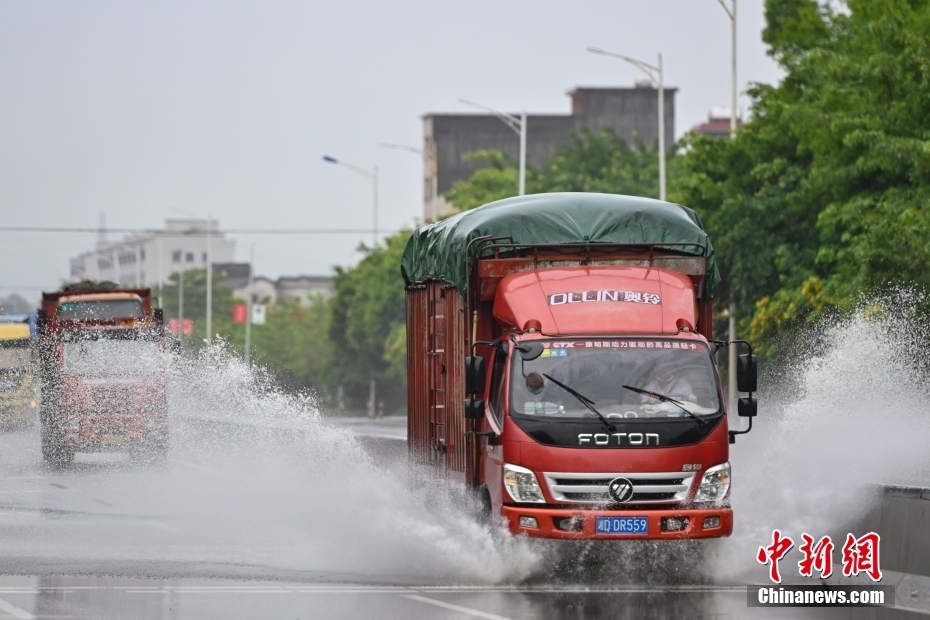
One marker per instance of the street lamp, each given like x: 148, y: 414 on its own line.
x: 654, y: 73
x: 731, y: 13
x: 731, y: 312
x: 433, y: 176
x: 373, y: 176
x: 518, y: 125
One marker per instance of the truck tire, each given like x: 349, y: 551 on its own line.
x: 53, y: 452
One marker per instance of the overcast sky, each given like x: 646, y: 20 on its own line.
x: 146, y: 110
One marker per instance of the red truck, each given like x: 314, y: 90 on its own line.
x: 102, y: 372
x: 561, y: 359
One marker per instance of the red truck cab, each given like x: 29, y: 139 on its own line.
x: 103, y: 373
x: 594, y: 406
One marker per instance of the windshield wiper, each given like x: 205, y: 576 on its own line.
x: 666, y: 399
x: 584, y: 400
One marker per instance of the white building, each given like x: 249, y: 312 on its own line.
x: 301, y: 288
x: 149, y: 258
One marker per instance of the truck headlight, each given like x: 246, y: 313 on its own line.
x: 715, y: 484
x: 521, y: 485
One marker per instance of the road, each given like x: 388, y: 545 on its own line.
x: 294, y: 517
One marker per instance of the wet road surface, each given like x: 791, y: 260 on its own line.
x: 226, y: 529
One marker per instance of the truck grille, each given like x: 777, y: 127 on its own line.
x: 648, y: 488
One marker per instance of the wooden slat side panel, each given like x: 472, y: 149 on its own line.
x: 455, y: 343
x: 436, y: 354
x: 417, y: 379
x: 436, y: 349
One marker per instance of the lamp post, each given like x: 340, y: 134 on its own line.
x: 372, y: 175
x: 248, y: 307
x: 731, y: 311
x: 209, y: 281
x: 433, y: 177
x: 731, y: 13
x: 655, y: 75
x: 518, y: 125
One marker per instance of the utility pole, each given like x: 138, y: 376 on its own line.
x: 248, y: 308
x: 656, y: 76
x: 731, y: 311
x: 518, y: 126
x: 181, y: 304
x: 209, y: 284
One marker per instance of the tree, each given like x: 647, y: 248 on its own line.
x: 366, y: 311
x: 195, y: 303
x: 820, y: 198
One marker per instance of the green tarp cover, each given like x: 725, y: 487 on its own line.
x: 437, y: 251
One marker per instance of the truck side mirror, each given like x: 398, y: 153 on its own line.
x: 474, y: 408
x: 474, y: 374
x: 747, y: 407
x: 746, y: 373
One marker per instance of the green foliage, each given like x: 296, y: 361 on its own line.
x: 195, y: 303
x: 821, y: 197
x: 498, y: 179
x: 366, y: 311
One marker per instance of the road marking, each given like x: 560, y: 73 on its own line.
x: 465, y: 610
x: 12, y: 610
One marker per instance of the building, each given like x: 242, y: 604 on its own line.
x: 448, y: 137
x: 150, y: 258
x: 302, y: 288
x: 717, y: 124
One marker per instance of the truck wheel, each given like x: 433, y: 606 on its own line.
x: 53, y: 452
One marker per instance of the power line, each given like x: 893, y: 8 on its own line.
x: 194, y: 233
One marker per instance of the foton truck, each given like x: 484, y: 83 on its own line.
x: 560, y: 357
x: 102, y: 371
x: 17, y: 392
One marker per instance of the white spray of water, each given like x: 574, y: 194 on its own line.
x: 317, y: 501
x: 857, y: 414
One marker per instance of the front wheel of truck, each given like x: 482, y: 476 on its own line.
x: 54, y: 452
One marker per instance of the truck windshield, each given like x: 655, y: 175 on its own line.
x: 111, y: 358
x: 100, y: 309
x: 598, y: 369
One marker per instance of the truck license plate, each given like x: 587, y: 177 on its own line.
x: 622, y: 525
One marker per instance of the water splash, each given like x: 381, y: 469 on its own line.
x: 312, y: 498
x: 850, y: 414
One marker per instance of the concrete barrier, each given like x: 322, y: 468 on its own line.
x: 901, y: 516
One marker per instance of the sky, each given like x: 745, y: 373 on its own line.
x: 146, y: 110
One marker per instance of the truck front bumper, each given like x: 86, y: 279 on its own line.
x: 97, y: 432
x: 663, y: 524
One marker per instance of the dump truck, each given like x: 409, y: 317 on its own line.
x: 561, y: 364
x: 103, y: 372
x: 17, y: 388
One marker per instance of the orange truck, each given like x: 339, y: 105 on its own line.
x: 103, y: 372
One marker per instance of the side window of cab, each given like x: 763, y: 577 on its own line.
x: 496, y: 391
